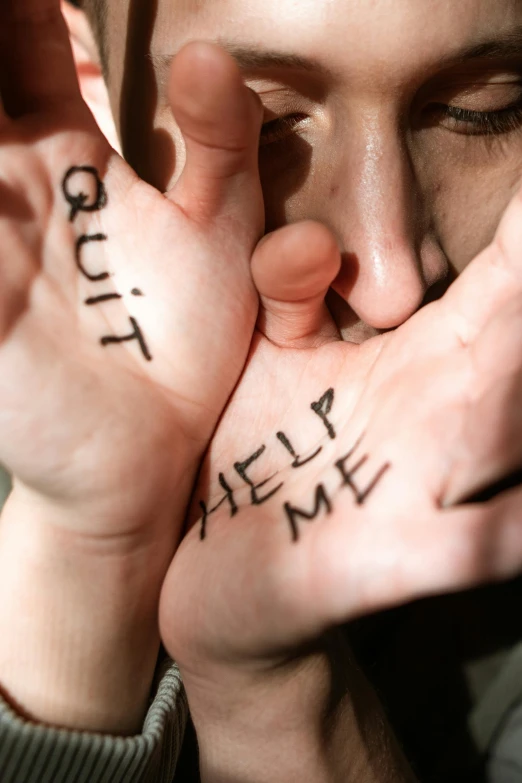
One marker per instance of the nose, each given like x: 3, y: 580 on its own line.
x: 391, y: 258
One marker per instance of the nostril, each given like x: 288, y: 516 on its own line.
x: 386, y: 282
x: 386, y: 303
x: 391, y: 312
x: 384, y: 289
x: 438, y: 289
x: 348, y: 274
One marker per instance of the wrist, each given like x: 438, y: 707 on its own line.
x: 313, y: 720
x: 78, y: 622
x: 266, y: 731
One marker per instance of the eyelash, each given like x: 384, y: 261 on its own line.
x: 482, y: 123
x: 466, y: 121
x: 280, y: 128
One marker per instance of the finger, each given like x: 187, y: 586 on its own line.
x: 293, y: 269
x: 436, y: 553
x: 491, y: 280
x: 89, y: 72
x: 489, y: 448
x: 220, y: 119
x: 344, y: 565
x: 468, y: 546
x: 36, y: 64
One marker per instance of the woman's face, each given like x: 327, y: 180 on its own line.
x: 398, y: 123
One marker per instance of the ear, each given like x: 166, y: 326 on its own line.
x: 89, y: 72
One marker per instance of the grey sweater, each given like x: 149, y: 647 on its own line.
x: 32, y: 753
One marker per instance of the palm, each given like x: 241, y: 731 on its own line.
x: 91, y: 255
x: 432, y: 411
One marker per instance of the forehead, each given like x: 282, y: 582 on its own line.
x: 324, y: 29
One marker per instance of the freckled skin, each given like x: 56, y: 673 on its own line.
x: 410, y: 201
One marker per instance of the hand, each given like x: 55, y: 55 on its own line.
x: 125, y: 319
x: 89, y: 71
x: 375, y: 496
x: 130, y: 242
x: 362, y: 725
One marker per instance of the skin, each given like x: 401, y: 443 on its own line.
x: 411, y: 194
x: 103, y: 444
x: 117, y: 507
x: 51, y: 351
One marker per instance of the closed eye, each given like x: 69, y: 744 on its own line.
x: 280, y: 128
x: 478, y: 123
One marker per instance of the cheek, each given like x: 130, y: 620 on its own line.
x: 467, y: 189
x: 295, y: 179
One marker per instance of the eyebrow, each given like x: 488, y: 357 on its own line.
x: 507, y: 45
x: 252, y: 58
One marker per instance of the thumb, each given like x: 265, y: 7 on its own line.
x: 293, y: 269
x: 220, y: 119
